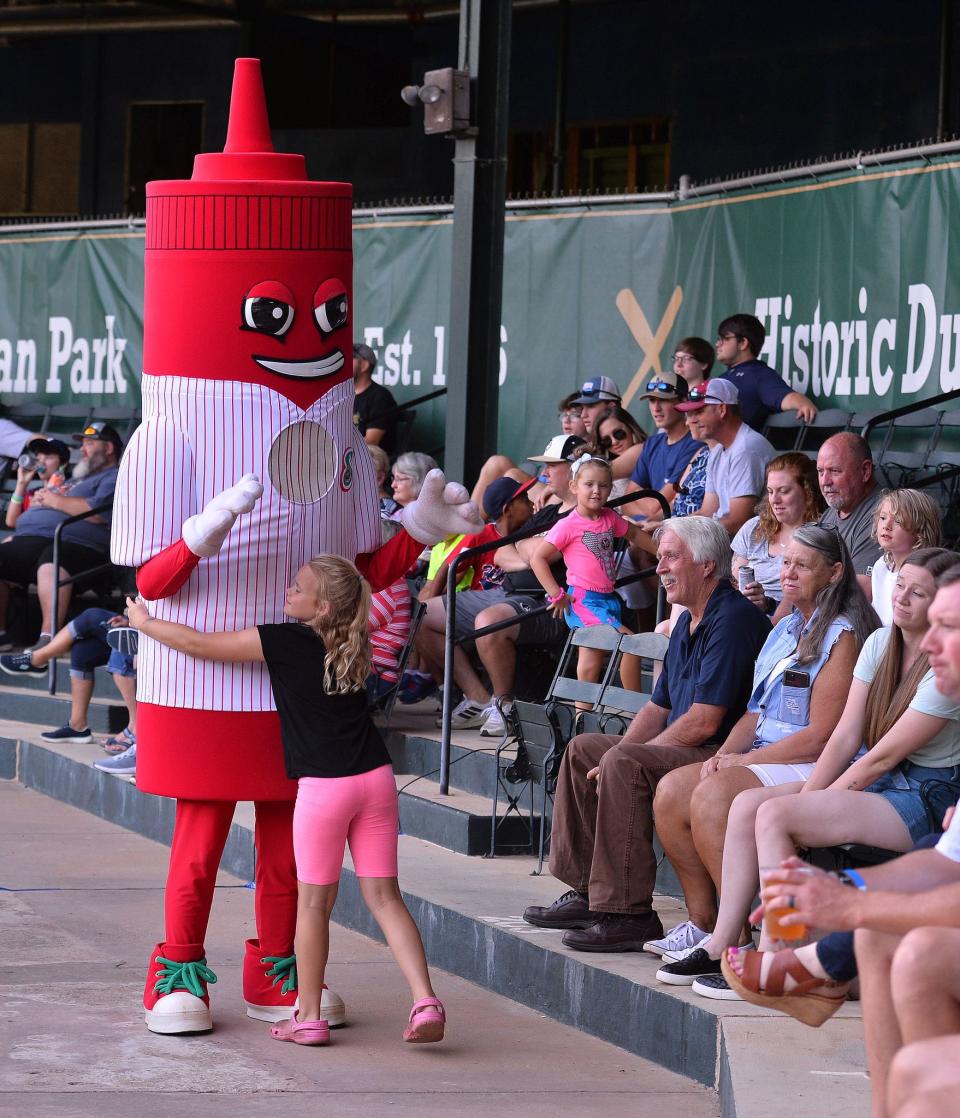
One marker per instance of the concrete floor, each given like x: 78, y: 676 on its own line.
x: 80, y: 907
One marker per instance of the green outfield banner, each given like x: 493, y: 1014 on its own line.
x: 851, y: 276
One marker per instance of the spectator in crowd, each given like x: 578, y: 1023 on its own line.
x: 381, y: 464
x: 905, y: 913
x: 693, y: 360
x: 904, y: 520
x: 762, y: 391
x: 507, y: 508
x: 556, y: 460
x: 86, y: 639
x: 595, y: 395
x: 912, y: 737
x: 389, y: 625
x: 618, y: 437
x: 800, y: 683
x: 793, y: 498
x: 848, y: 485
x: 52, y: 458
x: 409, y: 470
x: 572, y: 425
x: 602, y: 844
x: 736, y: 469
x: 374, y: 408
x: 667, y: 452
x: 27, y: 555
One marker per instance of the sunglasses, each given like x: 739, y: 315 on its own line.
x: 661, y: 386
x: 701, y: 395
x: 615, y: 436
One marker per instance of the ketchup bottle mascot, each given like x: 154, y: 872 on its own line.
x: 247, y: 376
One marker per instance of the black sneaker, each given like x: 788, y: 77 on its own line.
x: 715, y: 986
x: 69, y: 734
x: 684, y: 971
x: 19, y: 663
x: 572, y: 910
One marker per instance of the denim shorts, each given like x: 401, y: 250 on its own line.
x: 901, y: 788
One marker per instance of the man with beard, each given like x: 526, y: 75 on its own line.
x: 27, y: 555
x: 848, y: 484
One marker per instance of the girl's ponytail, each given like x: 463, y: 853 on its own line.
x: 343, y: 625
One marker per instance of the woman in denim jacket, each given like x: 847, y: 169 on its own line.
x: 897, y: 734
x: 801, y: 680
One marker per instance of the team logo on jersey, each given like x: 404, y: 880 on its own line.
x: 346, y: 474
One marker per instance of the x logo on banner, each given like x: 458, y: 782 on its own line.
x: 649, y: 341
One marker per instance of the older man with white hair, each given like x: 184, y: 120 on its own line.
x: 602, y: 844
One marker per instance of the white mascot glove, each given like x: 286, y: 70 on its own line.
x: 440, y: 511
x: 204, y: 533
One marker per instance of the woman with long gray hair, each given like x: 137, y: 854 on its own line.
x: 800, y: 683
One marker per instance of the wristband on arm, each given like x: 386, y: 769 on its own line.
x: 854, y: 878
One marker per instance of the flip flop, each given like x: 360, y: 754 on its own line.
x: 799, y: 1002
x: 302, y: 1032
x: 430, y: 1019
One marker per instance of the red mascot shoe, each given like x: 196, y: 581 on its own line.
x: 270, y: 988
x: 175, y: 999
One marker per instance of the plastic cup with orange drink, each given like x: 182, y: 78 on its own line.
x: 789, y: 934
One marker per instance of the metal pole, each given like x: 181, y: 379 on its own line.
x: 448, y: 650
x: 560, y: 103
x: 476, y: 289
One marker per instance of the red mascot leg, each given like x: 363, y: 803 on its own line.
x: 269, y: 972
x: 175, y: 997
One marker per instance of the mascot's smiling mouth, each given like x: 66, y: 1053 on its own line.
x: 312, y: 367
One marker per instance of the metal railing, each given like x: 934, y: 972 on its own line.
x: 451, y: 593
x: 894, y: 414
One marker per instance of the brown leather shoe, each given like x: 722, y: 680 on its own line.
x: 616, y: 931
x: 569, y: 911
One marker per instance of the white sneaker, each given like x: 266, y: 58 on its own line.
x: 495, y: 724
x: 678, y: 942
x: 468, y: 715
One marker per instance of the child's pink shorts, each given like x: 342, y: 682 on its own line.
x: 330, y: 812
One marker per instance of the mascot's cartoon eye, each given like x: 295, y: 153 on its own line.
x: 268, y: 308
x: 330, y: 306
x: 268, y: 316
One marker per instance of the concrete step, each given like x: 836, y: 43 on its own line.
x: 35, y: 707
x: 469, y: 913
x: 460, y: 821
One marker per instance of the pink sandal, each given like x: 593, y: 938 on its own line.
x: 430, y: 1019
x: 302, y: 1032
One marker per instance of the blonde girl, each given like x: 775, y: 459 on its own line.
x: 905, y: 520
x: 346, y: 790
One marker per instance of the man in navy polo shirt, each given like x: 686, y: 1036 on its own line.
x: 762, y: 390
x: 667, y: 452
x: 602, y: 844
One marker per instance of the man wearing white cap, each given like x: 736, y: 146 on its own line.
x: 736, y: 471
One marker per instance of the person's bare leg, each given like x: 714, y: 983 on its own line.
x: 382, y: 897
x: 497, y: 465
x: 881, y: 1029
x: 432, y: 645
x: 81, y: 692
x: 925, y: 983
x: 709, y: 810
x: 590, y: 662
x: 60, y: 643
x: 127, y: 686
x: 498, y: 651
x: 312, y: 944
x: 45, y: 596
x: 671, y: 809
x: 631, y: 671
x: 739, y: 872
x: 924, y: 1079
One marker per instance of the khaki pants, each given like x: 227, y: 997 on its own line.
x: 602, y: 842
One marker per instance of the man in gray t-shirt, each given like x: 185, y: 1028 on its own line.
x: 736, y: 469
x: 845, y: 470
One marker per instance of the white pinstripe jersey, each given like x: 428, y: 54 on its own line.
x: 198, y: 437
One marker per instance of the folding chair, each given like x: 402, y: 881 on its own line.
x: 617, y: 702
x: 542, y: 730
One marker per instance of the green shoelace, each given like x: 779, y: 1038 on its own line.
x: 284, y: 970
x: 183, y: 976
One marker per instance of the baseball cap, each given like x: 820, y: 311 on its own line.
x: 100, y: 430
x: 50, y: 446
x: 666, y: 386
x: 599, y: 389
x: 559, y: 449
x: 365, y: 353
x: 717, y: 391
x: 500, y: 493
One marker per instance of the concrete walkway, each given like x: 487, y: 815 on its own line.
x: 80, y: 907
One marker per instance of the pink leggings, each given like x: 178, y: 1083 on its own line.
x: 330, y: 812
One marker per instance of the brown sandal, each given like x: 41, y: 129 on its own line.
x: 812, y: 1009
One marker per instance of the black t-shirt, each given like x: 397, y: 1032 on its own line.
x: 369, y: 407
x: 323, y: 735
